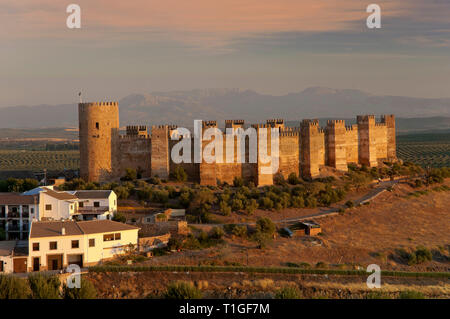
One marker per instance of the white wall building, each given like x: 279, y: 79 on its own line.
x: 56, y: 244
x: 96, y: 204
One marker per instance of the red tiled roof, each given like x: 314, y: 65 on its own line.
x: 17, y: 199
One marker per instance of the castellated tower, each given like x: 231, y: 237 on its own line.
x: 336, y: 140
x: 389, y: 120
x: 367, y: 140
x: 99, y: 132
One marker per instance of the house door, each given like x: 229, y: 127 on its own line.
x: 20, y: 265
x: 36, y: 264
x: 1, y: 266
x: 54, y: 262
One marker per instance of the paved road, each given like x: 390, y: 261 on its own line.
x: 380, y: 188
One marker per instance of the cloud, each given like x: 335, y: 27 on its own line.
x: 194, y: 21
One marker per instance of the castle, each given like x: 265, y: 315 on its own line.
x: 105, y: 153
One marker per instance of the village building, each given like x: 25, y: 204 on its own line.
x: 53, y: 245
x: 16, y: 213
x: 17, y: 210
x: 96, y: 204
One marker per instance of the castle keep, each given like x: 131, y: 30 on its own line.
x: 105, y: 153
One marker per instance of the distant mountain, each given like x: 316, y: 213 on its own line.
x: 182, y: 107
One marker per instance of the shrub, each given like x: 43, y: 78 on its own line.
x: 44, y: 286
x: 423, y: 254
x: 182, y: 290
x: 154, y: 180
x: 160, y: 196
x: 321, y: 264
x: 200, y: 205
x: 238, y: 182
x: 411, y: 294
x: 12, y: 287
x: 237, y: 204
x: 377, y: 295
x: 266, y: 203
x: 130, y: 175
x: 298, y: 202
x: 217, y: 233
x: 86, y: 291
x: 288, y: 293
x: 224, y: 208
x: 349, y: 204
x: 293, y: 179
x: 251, y: 206
x: 119, y: 217
x: 240, y: 231
x: 179, y: 174
x: 265, y: 225
x: 122, y: 192
x: 174, y: 243
x: 261, y: 239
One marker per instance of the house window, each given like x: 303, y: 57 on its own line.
x: 35, y: 246
x: 48, y: 207
x: 75, y: 244
x: 97, y: 125
x: 92, y: 242
x: 117, y: 236
x: 96, y: 204
x: 81, y: 204
x: 108, y: 237
x: 53, y: 245
x: 32, y: 211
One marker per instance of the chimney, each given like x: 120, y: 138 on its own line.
x: 63, y: 231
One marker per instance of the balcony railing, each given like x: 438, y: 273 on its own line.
x: 13, y: 228
x: 92, y: 210
x: 13, y: 215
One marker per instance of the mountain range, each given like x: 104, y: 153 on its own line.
x: 182, y: 107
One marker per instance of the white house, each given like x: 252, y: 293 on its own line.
x: 82, y: 204
x: 54, y: 245
x: 96, y: 204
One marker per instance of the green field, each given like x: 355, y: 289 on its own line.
x: 22, y: 160
x: 425, y: 149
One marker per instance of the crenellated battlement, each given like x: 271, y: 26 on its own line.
x: 134, y: 137
x: 210, y: 123
x: 336, y: 123
x: 277, y: 121
x: 365, y: 118
x: 350, y: 128
x: 241, y: 122
x: 290, y: 133
x: 309, y: 122
x: 257, y: 126
x: 98, y: 104
x: 140, y: 130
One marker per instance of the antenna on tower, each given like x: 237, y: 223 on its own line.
x: 79, y: 94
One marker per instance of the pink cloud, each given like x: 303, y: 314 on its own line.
x: 193, y: 21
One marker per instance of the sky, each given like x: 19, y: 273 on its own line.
x: 270, y: 46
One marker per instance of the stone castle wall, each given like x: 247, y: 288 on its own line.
x: 105, y: 154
